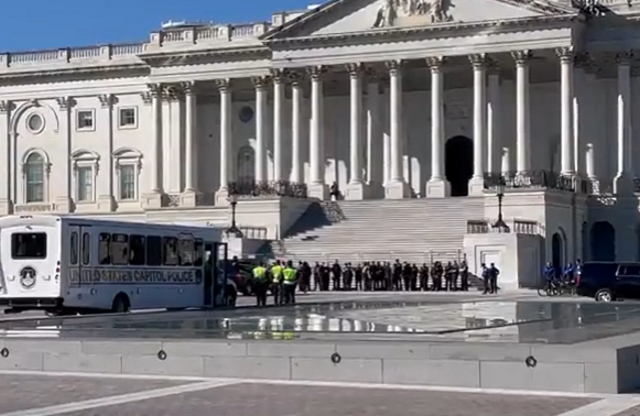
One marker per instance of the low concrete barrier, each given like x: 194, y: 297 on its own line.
x: 561, y: 368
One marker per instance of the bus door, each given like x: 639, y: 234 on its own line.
x: 224, y: 274
x: 216, y: 273
x: 209, y: 274
x: 79, y: 254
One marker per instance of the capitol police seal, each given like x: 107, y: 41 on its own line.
x: 28, y: 277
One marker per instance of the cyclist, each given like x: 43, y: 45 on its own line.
x: 550, y: 274
x: 567, y: 273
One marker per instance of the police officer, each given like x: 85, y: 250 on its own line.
x: 289, y: 283
x: 276, y: 283
x: 260, y: 284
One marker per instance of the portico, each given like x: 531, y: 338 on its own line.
x: 389, y: 81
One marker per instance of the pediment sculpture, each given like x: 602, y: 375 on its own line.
x: 433, y: 11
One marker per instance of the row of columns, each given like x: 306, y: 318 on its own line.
x: 486, y: 126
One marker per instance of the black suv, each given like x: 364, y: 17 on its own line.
x: 607, y: 281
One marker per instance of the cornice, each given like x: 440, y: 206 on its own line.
x: 187, y: 57
x: 284, y: 30
x: 441, y: 29
x: 44, y: 74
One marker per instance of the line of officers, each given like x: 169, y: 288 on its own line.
x: 280, y: 277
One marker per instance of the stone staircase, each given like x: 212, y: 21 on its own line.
x: 413, y: 230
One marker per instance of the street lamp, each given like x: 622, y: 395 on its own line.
x: 500, y: 225
x: 233, y: 230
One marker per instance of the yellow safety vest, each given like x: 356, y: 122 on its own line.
x: 276, y: 272
x: 259, y: 273
x: 289, y: 275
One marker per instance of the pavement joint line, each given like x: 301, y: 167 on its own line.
x: 119, y: 399
x: 607, y: 407
x: 113, y: 376
x: 443, y: 389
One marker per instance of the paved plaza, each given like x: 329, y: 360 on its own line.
x: 83, y: 389
x: 49, y: 394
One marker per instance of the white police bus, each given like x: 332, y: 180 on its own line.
x: 66, y: 264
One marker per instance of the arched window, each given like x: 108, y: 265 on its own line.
x: 34, y: 172
x: 127, y: 163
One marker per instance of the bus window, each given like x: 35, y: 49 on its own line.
x: 104, y: 249
x: 186, y: 251
x: 119, y: 249
x: 170, y: 245
x: 86, y: 249
x: 136, y: 250
x: 199, y: 252
x: 73, y: 249
x: 154, y: 251
x: 28, y: 246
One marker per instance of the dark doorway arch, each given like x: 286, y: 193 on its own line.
x: 458, y: 164
x: 584, y: 233
x: 557, y: 251
x: 603, y: 241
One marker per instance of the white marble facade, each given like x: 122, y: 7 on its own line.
x: 388, y: 98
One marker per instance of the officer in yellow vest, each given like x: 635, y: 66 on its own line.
x: 289, y: 283
x: 260, y: 284
x: 276, y: 283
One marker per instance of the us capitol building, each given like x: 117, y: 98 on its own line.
x: 388, y: 99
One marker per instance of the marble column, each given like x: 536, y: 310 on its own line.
x: 224, y: 88
x: 375, y: 117
x: 260, y: 86
x: 317, y: 186
x: 278, y: 100
x: 479, y: 64
x: 6, y: 198
x: 396, y: 187
x: 579, y: 95
x: 437, y: 186
x: 64, y: 201
x: 494, y: 121
x: 623, y: 182
x: 296, y: 80
x: 153, y: 198
x: 190, y: 194
x: 523, y: 146
x: 356, y: 187
x: 566, y: 111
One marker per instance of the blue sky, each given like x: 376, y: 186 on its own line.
x: 46, y: 24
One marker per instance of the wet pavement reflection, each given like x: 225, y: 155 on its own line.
x: 517, y: 321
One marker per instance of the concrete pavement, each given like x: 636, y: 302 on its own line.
x: 47, y: 394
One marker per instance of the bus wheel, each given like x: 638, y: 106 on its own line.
x: 121, y: 304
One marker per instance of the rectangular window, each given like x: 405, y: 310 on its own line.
x: 127, y: 118
x: 136, y: 250
x: 84, y: 120
x: 86, y: 249
x: 127, y: 182
x: 154, y: 251
x: 85, y: 183
x: 170, y: 246
x: 73, y: 249
x: 199, y: 261
x: 104, y: 248
x: 28, y: 246
x: 119, y: 249
x: 35, y: 182
x: 186, y: 251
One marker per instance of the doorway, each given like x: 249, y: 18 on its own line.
x: 603, y: 241
x: 557, y: 252
x: 458, y: 164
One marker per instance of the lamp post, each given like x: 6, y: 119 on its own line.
x: 233, y: 230
x: 500, y: 225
